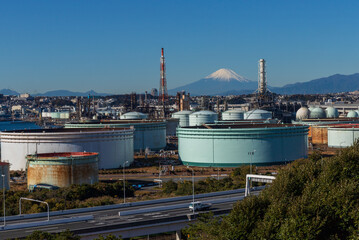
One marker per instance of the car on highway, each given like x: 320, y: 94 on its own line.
x: 199, y: 206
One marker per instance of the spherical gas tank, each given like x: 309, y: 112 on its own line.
x: 302, y: 113
x: 331, y: 112
x: 317, y: 113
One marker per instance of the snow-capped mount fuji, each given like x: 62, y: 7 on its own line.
x: 227, y: 75
x: 221, y: 82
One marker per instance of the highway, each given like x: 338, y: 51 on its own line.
x: 109, y: 221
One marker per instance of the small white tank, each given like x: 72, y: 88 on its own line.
x: 233, y: 114
x: 183, y: 117
x: 258, y: 114
x: 202, y: 117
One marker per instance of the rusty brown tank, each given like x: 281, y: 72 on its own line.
x: 62, y: 169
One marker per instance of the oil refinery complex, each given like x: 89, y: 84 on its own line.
x: 100, y: 133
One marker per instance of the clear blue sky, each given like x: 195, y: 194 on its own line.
x: 114, y: 46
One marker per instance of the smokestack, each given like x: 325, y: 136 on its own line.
x: 163, y: 83
x: 262, y: 79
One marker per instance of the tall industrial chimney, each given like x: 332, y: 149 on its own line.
x: 262, y: 79
x: 163, y: 83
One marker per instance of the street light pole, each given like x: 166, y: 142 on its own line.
x: 250, y: 163
x: 3, y: 187
x: 124, y: 186
x: 192, y: 188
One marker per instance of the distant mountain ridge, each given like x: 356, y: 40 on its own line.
x: 7, y: 91
x: 332, y: 84
x: 56, y: 93
x: 67, y: 93
x: 226, y: 82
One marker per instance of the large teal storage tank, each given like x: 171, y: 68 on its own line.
x: 183, y: 117
x: 258, y: 114
x: 202, y: 117
x: 148, y: 134
x: 229, y: 145
x: 233, y: 114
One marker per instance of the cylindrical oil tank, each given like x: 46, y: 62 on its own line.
x: 258, y: 114
x: 302, y: 113
x: 4, y: 175
x: 171, y: 125
x: 115, y: 146
x: 202, y: 117
x: 319, y: 134
x: 148, y: 134
x: 233, y: 114
x: 134, y: 116
x: 343, y: 136
x: 62, y: 169
x: 331, y: 112
x: 317, y: 113
x: 233, y: 145
x: 183, y: 117
x: 352, y: 114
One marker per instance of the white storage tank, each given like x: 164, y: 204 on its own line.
x: 202, y: 117
x: 133, y: 116
x: 233, y: 114
x: 148, y: 134
x: 4, y: 170
x: 183, y: 117
x: 115, y: 146
x: 258, y: 114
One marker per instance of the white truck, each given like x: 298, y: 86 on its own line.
x: 199, y: 206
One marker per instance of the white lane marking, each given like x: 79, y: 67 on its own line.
x: 134, y: 219
x: 44, y: 229
x: 150, y: 214
x: 163, y: 215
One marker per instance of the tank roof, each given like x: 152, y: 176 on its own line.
x: 184, y: 112
x: 348, y: 126
x: 60, y: 130
x: 204, y: 112
x: 258, y: 111
x: 62, y: 155
x: 240, y: 126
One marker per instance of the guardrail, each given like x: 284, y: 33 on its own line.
x: 132, y: 204
x: 46, y: 223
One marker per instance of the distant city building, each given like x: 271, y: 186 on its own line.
x: 154, y: 92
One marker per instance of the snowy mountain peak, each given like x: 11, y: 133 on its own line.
x: 226, y: 75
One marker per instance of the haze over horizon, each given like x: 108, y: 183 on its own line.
x: 114, y: 46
